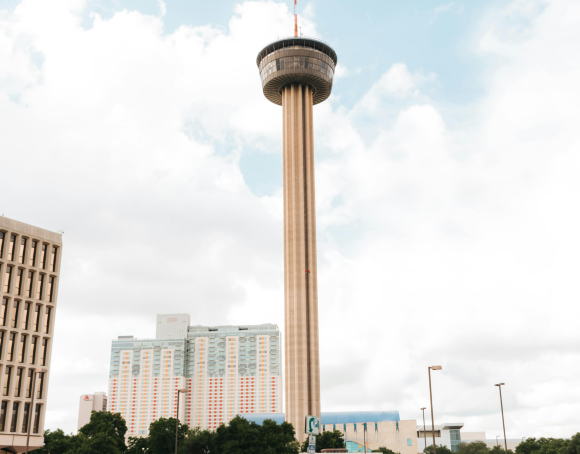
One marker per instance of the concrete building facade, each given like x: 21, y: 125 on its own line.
x: 89, y: 403
x: 29, y: 274
x: 297, y: 73
x: 221, y: 371
x: 446, y: 434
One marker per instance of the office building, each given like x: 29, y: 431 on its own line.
x: 215, y: 372
x: 29, y: 273
x: 297, y: 73
x: 89, y: 403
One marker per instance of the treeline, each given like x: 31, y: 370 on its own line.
x: 527, y: 446
x: 105, y: 433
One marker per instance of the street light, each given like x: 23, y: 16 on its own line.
x: 424, y: 432
x: 430, y: 368
x: 499, y: 385
x: 179, y: 391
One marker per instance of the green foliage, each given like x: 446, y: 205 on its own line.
x: 500, y: 450
x: 439, y: 450
x: 384, y: 450
x: 57, y: 442
x: 162, y: 435
x: 327, y: 440
x: 543, y: 446
x: 241, y: 436
x: 476, y: 447
x: 138, y: 445
x: 574, y: 445
x: 105, y: 432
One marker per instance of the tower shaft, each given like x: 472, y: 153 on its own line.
x: 300, y: 285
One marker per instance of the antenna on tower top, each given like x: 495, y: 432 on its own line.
x: 295, y: 20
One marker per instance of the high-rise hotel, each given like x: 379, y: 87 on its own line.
x: 29, y: 271
x: 209, y: 374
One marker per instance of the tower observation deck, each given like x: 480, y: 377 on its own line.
x: 297, y: 73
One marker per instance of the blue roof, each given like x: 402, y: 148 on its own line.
x: 333, y: 417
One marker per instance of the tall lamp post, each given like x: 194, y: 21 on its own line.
x: 424, y: 432
x: 179, y: 391
x: 499, y: 385
x: 430, y: 368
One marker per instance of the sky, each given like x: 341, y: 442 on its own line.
x: 447, y: 162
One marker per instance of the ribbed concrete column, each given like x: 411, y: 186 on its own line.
x: 301, y: 305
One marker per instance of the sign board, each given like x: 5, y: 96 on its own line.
x: 312, y: 425
x: 311, y: 449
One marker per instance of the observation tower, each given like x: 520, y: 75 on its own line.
x: 297, y: 73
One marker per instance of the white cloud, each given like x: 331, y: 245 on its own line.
x: 438, y: 243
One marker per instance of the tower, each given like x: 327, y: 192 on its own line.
x: 297, y: 73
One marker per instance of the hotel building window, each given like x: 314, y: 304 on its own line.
x: 47, y: 313
x: 25, y: 315
x: 25, y: 417
x: 53, y: 259
x: 10, y: 348
x: 18, y: 281
x: 14, y: 316
x: 3, y: 309
x: 36, y: 427
x: 29, y: 284
x: 32, y: 350
x: 19, y: 374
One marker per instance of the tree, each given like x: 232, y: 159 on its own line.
x: 439, y: 450
x: 475, y: 447
x: 162, y: 435
x: 57, y: 442
x: 500, y: 450
x: 574, y: 445
x: 199, y: 442
x: 543, y: 446
x: 105, y: 432
x: 138, y: 445
x: 327, y: 440
x: 384, y: 450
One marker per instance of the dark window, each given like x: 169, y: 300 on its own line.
x: 25, y: 417
x: 3, y: 310
x: 22, y: 250
x: 29, y: 284
x: 36, y: 320
x: 39, y: 286
x: 51, y: 280
x: 53, y: 259
x: 15, y: 408
x: 32, y: 351
x: 40, y: 386
x: 19, y: 374
x: 7, y: 278
x: 26, y: 315
x: 44, y: 350
x: 11, y: 247
x: 1, y: 342
x: 3, y: 408
x: 32, y: 256
x: 47, y: 314
x: 7, y: 375
x: 22, y: 347
x: 43, y: 256
x: 36, y: 427
x: 18, y: 286
x: 14, y: 317
x: 29, y: 383
x: 10, y: 349
x: 2, y: 234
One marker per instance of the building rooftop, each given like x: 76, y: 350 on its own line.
x: 332, y: 417
x: 293, y: 42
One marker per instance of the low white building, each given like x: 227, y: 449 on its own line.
x: 446, y: 434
